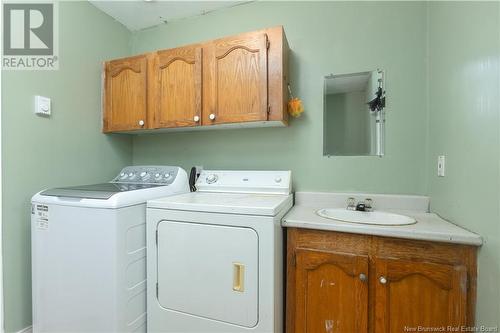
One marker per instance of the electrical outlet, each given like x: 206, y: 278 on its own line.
x: 441, y: 165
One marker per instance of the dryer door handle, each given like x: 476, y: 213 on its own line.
x: 238, y: 277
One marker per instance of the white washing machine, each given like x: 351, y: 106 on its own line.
x: 89, y: 251
x: 215, y: 256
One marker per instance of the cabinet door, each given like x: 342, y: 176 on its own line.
x: 412, y: 294
x: 331, y: 292
x: 178, y: 87
x: 237, y: 80
x: 125, y: 94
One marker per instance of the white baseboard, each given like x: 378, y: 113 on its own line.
x: 28, y: 329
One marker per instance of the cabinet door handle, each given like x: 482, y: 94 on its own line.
x: 196, y: 119
x: 362, y: 277
x: 141, y: 122
x: 212, y: 116
x: 382, y: 280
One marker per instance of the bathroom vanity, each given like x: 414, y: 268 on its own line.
x: 353, y: 277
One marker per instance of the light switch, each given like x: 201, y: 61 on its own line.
x: 441, y: 165
x: 42, y: 106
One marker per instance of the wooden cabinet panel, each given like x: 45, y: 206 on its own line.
x: 177, y: 87
x: 228, y: 81
x: 125, y: 94
x: 426, y: 284
x: 236, y: 79
x: 413, y: 294
x: 332, y: 292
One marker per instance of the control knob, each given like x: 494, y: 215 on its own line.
x: 212, y: 178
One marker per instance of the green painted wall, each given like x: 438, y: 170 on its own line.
x: 464, y: 125
x: 66, y: 149
x: 325, y: 37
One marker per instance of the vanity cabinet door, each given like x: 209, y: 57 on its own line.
x: 125, y: 94
x: 236, y: 79
x: 331, y: 292
x: 412, y: 294
x: 177, y: 87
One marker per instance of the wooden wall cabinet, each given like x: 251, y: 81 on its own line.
x: 125, y: 94
x: 339, y: 282
x: 176, y: 87
x: 238, y: 80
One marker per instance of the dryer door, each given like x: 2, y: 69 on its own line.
x: 209, y: 271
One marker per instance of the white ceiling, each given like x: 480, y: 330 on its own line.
x: 140, y: 14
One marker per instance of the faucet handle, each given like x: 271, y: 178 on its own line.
x: 351, y: 203
x: 369, y: 203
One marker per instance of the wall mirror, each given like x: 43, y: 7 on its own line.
x: 353, y: 114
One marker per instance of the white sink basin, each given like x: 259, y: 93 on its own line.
x: 375, y: 217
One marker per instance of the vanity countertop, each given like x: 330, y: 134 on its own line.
x: 429, y: 226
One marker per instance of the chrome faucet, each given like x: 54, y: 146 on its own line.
x: 362, y: 206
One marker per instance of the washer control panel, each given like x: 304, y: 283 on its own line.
x: 273, y: 182
x: 161, y: 175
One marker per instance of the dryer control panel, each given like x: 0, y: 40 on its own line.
x: 272, y: 182
x: 162, y: 175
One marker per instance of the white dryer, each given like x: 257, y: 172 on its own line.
x: 89, y: 251
x: 215, y: 256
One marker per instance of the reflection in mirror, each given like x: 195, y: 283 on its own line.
x: 353, y: 114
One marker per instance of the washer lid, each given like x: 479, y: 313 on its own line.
x: 102, y: 191
x: 229, y: 203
